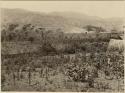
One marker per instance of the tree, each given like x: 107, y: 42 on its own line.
x: 31, y: 39
x: 47, y: 48
x: 12, y: 27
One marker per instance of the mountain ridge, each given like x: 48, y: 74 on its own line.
x: 65, y: 20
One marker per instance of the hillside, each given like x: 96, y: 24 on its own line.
x: 64, y: 20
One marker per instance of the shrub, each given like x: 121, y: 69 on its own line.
x: 82, y: 73
x: 3, y: 79
x: 47, y: 48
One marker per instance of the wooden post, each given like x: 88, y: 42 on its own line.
x: 41, y: 73
x: 47, y: 73
x: 118, y: 82
x: 18, y: 74
x: 108, y: 61
x: 118, y: 85
x: 29, y: 76
x: 14, y: 78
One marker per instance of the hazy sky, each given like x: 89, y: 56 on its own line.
x: 104, y: 9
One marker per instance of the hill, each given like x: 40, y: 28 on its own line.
x: 63, y: 20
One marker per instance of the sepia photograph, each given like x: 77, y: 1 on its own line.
x: 62, y: 46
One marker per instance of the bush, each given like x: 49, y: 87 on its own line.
x: 82, y: 73
x: 31, y: 39
x: 3, y: 79
x: 47, y: 48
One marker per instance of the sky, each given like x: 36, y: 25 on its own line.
x: 103, y: 9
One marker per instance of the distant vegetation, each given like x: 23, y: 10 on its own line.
x: 54, y: 41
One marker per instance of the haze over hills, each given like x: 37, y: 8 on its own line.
x: 65, y: 20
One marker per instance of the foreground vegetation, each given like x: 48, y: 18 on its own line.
x: 55, y: 61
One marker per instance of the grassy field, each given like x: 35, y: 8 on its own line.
x: 50, y: 73
x: 59, y: 62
